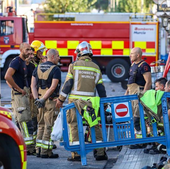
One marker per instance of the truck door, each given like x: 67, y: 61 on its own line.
x: 6, y: 34
x: 145, y: 36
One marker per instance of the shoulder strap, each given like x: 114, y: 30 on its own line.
x: 44, y: 75
x: 141, y: 63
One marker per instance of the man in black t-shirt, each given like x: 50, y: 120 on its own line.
x: 45, y: 86
x: 17, y: 77
x: 139, y: 80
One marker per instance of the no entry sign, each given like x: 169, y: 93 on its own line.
x: 121, y: 110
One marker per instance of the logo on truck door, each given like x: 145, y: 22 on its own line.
x: 6, y: 40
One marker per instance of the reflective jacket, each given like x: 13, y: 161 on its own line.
x: 83, y: 77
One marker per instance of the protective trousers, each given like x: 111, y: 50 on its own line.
x: 72, y: 121
x: 135, y: 89
x: 34, y: 112
x: 46, y: 117
x: 22, y: 111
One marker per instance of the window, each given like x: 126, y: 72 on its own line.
x: 7, y: 28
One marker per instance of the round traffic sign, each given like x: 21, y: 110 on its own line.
x: 121, y: 110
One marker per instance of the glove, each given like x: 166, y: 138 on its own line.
x: 39, y: 103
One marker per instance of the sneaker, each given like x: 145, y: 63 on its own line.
x: 76, y: 158
x: 137, y: 146
x: 51, y: 156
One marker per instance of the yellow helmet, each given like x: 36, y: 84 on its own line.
x: 38, y: 45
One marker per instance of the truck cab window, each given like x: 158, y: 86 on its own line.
x: 6, y: 28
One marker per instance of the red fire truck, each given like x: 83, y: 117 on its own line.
x: 12, y: 147
x: 111, y: 36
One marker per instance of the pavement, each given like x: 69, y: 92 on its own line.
x: 62, y: 163
x: 125, y: 159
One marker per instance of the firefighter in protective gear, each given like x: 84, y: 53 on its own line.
x: 17, y: 77
x: 139, y: 80
x: 83, y: 77
x: 38, y: 47
x: 45, y: 86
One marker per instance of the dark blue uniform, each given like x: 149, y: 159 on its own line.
x: 20, y: 71
x: 54, y: 74
x: 136, y: 73
x: 30, y: 69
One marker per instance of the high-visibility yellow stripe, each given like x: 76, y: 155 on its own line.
x: 77, y: 97
x: 70, y: 75
x: 21, y: 147
x: 51, y: 44
x: 5, y: 46
x: 24, y: 165
x: 96, y: 44
x: 106, y: 52
x: 100, y: 81
x: 126, y: 52
x: 72, y: 44
x: 86, y: 68
x: 150, y: 50
x: 142, y: 45
x: 117, y: 44
x: 25, y: 129
x: 63, y: 51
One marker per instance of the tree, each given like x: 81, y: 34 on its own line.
x: 60, y: 6
x: 134, y: 6
x: 101, y: 4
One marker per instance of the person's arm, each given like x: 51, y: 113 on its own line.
x: 127, y: 92
x: 148, y: 80
x: 8, y: 77
x: 34, y: 87
x: 68, y: 84
x: 52, y: 88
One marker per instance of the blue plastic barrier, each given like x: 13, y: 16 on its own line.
x: 123, y: 126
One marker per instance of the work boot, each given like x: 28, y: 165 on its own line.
x: 146, y: 150
x: 138, y: 146
x: 102, y: 157
x: 74, y: 157
x: 38, y: 151
x: 154, y: 150
x: 31, y: 153
x: 54, y: 146
x: 50, y: 156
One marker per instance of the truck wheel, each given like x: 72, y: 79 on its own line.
x: 5, y: 67
x: 9, y: 153
x: 117, y: 70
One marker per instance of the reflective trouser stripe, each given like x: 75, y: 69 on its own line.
x: 77, y: 97
x: 100, y: 81
x: 82, y: 93
x: 25, y: 129
x: 44, y: 144
x: 29, y: 142
x: 138, y: 135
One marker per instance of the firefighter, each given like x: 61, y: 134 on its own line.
x: 45, y: 86
x: 83, y: 77
x: 17, y: 77
x: 38, y: 47
x: 139, y: 80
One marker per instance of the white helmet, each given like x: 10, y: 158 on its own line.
x: 84, y: 48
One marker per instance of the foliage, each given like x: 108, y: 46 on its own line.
x: 101, y: 4
x: 134, y: 6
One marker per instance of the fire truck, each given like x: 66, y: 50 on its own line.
x: 111, y: 35
x: 13, y: 152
